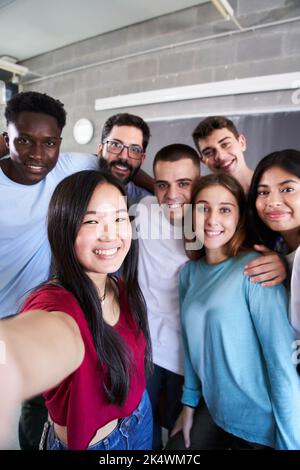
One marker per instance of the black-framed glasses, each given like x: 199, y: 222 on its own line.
x: 115, y: 147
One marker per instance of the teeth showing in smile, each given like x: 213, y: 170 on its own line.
x: 112, y: 251
x: 213, y: 233
x: 225, y: 165
x: 174, y: 206
x: 30, y: 165
x: 121, y: 167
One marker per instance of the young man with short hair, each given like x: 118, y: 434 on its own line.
x: 222, y: 148
x: 159, y: 223
x: 28, y: 177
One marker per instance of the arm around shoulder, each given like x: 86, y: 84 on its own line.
x: 144, y: 180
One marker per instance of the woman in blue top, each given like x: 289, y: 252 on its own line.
x: 237, y: 339
x: 274, y: 214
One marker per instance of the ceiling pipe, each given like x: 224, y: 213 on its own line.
x: 164, y: 48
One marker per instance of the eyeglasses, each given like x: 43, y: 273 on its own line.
x: 135, y: 152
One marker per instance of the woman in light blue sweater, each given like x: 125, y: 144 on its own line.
x: 238, y: 342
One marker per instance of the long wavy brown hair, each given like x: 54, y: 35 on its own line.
x: 238, y: 242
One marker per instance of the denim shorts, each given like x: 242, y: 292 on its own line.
x: 131, y: 433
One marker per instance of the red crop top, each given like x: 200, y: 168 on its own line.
x: 79, y: 401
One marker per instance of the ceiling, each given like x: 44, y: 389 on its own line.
x: 32, y: 27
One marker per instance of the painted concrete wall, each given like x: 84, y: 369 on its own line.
x: 215, y: 51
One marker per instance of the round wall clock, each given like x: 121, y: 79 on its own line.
x: 83, y: 131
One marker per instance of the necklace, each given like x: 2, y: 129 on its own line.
x: 102, y: 299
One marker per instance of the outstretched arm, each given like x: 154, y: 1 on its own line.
x: 37, y: 351
x: 46, y: 346
x: 269, y: 270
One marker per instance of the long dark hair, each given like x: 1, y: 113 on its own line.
x: 238, y: 242
x: 288, y: 160
x: 66, y: 211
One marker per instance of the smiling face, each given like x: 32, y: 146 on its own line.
x: 33, y: 141
x: 173, y: 185
x: 122, y: 165
x: 222, y: 151
x: 104, y: 237
x: 278, y: 200
x: 216, y: 216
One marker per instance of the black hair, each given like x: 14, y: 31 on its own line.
x: 35, y: 102
x: 125, y: 119
x: 66, y: 211
x: 175, y: 152
x: 288, y: 160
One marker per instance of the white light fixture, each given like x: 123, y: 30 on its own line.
x: 224, y: 8
x: 83, y: 131
x: 283, y: 81
x: 12, y: 67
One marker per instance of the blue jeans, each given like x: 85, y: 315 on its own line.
x: 132, y: 433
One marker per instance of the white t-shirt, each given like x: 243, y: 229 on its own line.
x: 161, y: 255
x: 24, y: 247
x: 295, y: 295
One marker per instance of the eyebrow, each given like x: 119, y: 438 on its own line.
x: 180, y: 180
x: 220, y: 203
x: 26, y: 134
x: 98, y: 212
x: 121, y: 142
x: 280, y: 184
x: 219, y: 142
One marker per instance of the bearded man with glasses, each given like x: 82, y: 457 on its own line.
x: 122, y: 150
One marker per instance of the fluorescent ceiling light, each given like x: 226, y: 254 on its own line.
x: 265, y: 83
x: 224, y: 8
x: 12, y: 67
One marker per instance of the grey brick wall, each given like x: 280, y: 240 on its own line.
x: 218, y: 53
